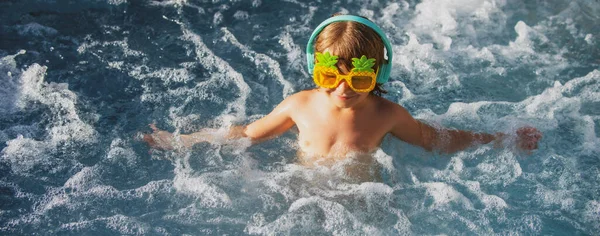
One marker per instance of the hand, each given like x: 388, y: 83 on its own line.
x: 159, y: 139
x: 527, y: 138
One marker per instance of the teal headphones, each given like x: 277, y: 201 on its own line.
x: 384, y: 70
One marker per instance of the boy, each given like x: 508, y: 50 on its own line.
x: 345, y: 115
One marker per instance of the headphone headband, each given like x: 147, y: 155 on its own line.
x: 385, y: 68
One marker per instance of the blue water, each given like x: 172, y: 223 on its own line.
x: 79, y: 80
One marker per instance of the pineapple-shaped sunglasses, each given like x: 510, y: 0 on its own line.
x: 361, y: 78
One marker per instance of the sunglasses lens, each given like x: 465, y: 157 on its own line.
x: 327, y: 79
x: 362, y: 82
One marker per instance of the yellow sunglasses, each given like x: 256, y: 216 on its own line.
x: 361, y: 78
x: 361, y: 82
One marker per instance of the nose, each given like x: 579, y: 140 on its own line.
x: 343, y: 86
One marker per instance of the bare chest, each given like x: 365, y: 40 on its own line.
x: 328, y: 134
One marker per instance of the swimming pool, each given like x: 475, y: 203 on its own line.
x: 81, y: 78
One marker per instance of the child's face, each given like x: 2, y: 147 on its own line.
x: 343, y: 96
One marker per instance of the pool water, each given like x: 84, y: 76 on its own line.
x: 81, y: 79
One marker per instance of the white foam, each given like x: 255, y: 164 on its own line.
x: 586, y: 88
x: 523, y: 41
x: 208, y: 195
x: 126, y: 225
x: 443, y: 20
x: 65, y: 126
x: 442, y: 31
x: 522, y: 51
x: 120, y: 151
x: 221, y: 74
x: 490, y: 201
x: 391, y: 15
x: 483, y: 54
x: 557, y: 183
x: 564, y: 101
x: 169, y: 2
x: 422, y: 61
x: 25, y: 154
x: 322, y: 201
x: 464, y: 113
x: 117, y: 2
x: 400, y: 88
x: 82, y: 180
x: 592, y: 214
x: 268, y: 65
x: 87, y: 184
x: 502, y: 169
x: 9, y: 77
x: 302, y: 216
x: 170, y: 75
x: 469, y: 178
x: 205, y: 57
x: 385, y: 160
x: 54, y: 199
x: 152, y: 189
x: 295, y: 53
x: 95, y: 48
x: 589, y: 38
x: 558, y: 103
x: 443, y: 194
x: 591, y: 142
x: 217, y: 18
x: 31, y: 80
x: 240, y: 15
x: 529, y: 224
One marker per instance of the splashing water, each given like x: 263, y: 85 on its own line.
x: 80, y: 79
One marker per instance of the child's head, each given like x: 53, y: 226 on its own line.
x: 350, y: 39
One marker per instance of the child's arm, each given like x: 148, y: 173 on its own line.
x: 450, y: 140
x: 274, y: 124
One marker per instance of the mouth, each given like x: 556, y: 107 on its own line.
x: 346, y: 97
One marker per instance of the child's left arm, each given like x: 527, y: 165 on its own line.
x: 445, y: 140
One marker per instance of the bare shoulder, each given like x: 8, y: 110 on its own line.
x: 388, y: 107
x: 295, y: 102
x: 392, y: 113
x: 398, y: 120
x: 299, y: 98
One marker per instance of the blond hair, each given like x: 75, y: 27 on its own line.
x: 349, y: 39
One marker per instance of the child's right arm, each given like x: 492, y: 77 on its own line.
x: 272, y: 125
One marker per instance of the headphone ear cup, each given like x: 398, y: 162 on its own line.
x: 383, y: 74
x: 310, y: 62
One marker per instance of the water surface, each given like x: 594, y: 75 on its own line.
x: 81, y: 78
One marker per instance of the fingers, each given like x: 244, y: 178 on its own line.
x: 149, y: 140
x: 527, y: 130
x: 529, y: 133
x: 528, y: 138
x: 158, y: 139
x: 528, y: 144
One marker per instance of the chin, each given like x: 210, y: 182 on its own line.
x: 345, y: 99
x: 343, y: 105
x: 346, y: 102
